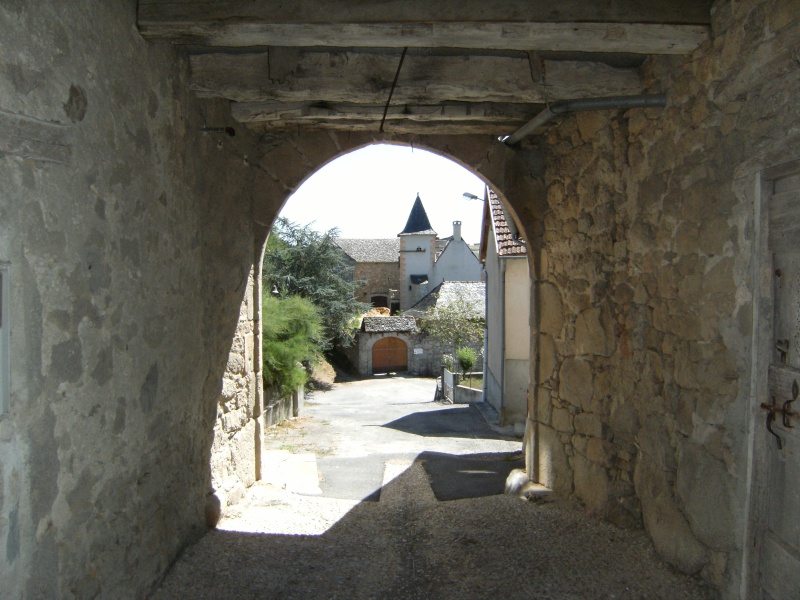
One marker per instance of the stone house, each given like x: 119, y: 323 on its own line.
x: 397, y: 344
x: 650, y: 156
x: 508, y: 284
x: 376, y: 265
x: 425, y: 263
x: 396, y: 273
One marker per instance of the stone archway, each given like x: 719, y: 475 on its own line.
x: 389, y: 355
x: 515, y: 176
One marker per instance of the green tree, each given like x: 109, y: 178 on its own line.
x: 307, y: 263
x: 466, y: 358
x: 292, y: 328
x: 454, y: 325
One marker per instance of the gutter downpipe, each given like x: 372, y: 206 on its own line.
x: 502, y: 410
x: 485, y: 336
x: 563, y: 106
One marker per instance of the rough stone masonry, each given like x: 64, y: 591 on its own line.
x: 131, y: 240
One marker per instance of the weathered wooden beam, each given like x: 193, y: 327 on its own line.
x: 656, y: 27
x: 464, y: 112
x: 417, y: 11
x: 398, y: 126
x: 636, y: 38
x: 365, y: 78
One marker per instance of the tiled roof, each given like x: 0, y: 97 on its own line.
x: 382, y: 324
x: 474, y: 292
x: 418, y: 222
x: 505, y: 232
x: 374, y: 250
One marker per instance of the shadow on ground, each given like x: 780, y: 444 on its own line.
x: 458, y: 421
x: 460, y: 476
x: 409, y: 545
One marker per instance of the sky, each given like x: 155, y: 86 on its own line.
x: 369, y: 193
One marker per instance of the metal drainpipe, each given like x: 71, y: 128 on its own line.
x: 485, y: 334
x: 563, y: 106
x: 502, y: 341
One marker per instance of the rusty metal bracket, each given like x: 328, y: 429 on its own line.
x: 784, y: 410
x: 770, y: 419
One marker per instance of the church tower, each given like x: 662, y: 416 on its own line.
x: 417, y: 256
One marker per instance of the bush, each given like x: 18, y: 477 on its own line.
x: 448, y: 362
x: 467, y: 358
x: 302, y: 262
x: 292, y: 327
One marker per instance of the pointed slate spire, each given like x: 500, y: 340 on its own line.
x: 418, y: 222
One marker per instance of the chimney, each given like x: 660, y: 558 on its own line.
x: 456, y: 231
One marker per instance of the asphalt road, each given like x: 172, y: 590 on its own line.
x: 354, y: 430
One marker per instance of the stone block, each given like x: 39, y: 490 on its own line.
x: 590, y: 122
x: 594, y: 333
x: 624, y: 419
x: 666, y: 525
x: 591, y: 483
x: 545, y: 404
x: 588, y: 424
x: 243, y: 453
x: 600, y: 452
x: 579, y: 442
x: 700, y: 476
x: 551, y: 314
x: 562, y: 420
x: 547, y: 357
x: 575, y: 382
x: 554, y: 468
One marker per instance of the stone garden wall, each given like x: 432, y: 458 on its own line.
x: 645, y: 290
x: 428, y: 363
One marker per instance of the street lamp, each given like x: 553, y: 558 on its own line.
x: 468, y: 196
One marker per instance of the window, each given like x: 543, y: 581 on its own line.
x: 5, y: 388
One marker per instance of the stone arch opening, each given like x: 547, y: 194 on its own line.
x: 289, y: 161
x: 389, y: 355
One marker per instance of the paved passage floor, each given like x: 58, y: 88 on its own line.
x: 379, y: 492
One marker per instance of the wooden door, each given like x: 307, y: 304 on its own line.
x: 779, y: 572
x: 389, y: 355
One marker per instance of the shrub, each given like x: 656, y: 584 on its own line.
x: 292, y: 328
x: 300, y: 261
x: 466, y: 358
x: 448, y: 362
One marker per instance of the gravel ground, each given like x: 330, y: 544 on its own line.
x: 278, y: 544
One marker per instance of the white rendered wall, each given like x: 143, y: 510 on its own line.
x: 415, y: 263
x: 457, y: 263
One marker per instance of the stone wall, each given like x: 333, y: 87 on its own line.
x: 378, y: 278
x: 645, y: 290
x: 129, y: 240
x: 426, y: 364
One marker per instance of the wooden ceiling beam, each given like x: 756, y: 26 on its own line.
x: 635, y: 26
x: 431, y: 127
x: 366, y: 78
x: 696, y: 12
x: 489, y: 112
x: 635, y: 38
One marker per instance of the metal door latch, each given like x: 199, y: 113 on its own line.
x: 785, y: 411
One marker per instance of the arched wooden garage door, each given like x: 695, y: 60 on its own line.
x: 389, y: 354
